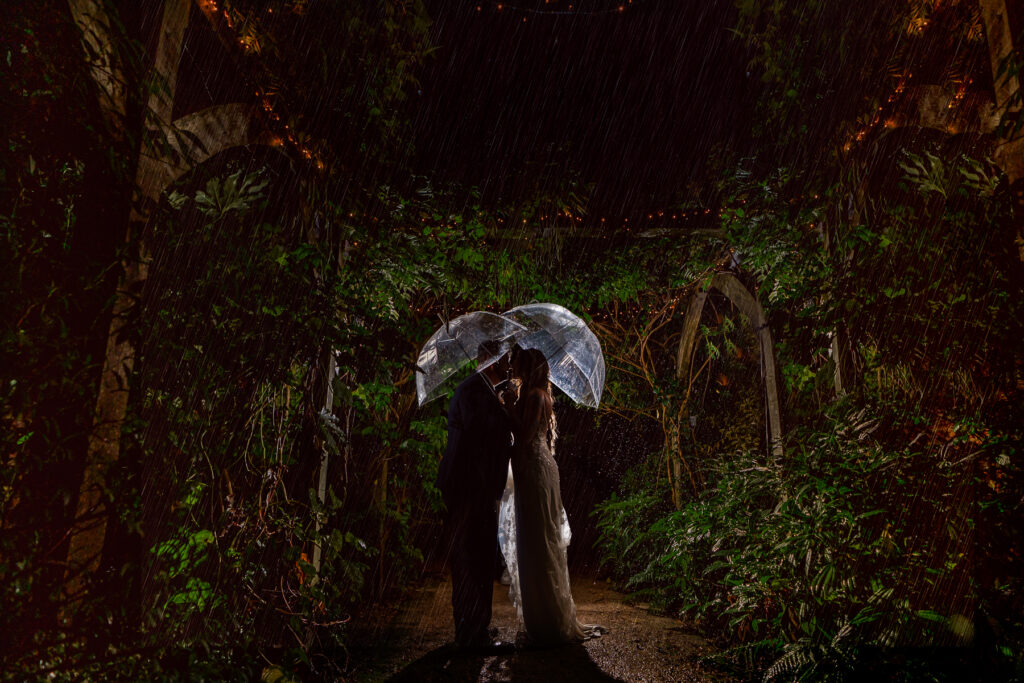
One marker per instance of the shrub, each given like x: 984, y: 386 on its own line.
x: 807, y: 566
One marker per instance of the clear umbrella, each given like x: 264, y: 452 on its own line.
x: 570, y: 347
x: 454, y: 345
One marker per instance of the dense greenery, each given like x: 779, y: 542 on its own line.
x: 275, y: 475
x: 885, y: 540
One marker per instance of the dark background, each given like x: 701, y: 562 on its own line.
x: 634, y: 102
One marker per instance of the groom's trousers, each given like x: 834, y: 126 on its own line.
x: 472, y: 528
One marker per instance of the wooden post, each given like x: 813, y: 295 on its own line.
x: 321, y: 489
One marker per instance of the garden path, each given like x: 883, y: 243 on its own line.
x: 412, y: 642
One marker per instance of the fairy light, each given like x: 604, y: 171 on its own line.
x: 916, y: 26
x: 503, y: 7
x: 248, y: 44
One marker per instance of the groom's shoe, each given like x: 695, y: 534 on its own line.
x: 502, y: 647
x: 492, y: 648
x: 487, y: 644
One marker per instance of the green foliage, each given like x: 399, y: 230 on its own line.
x: 809, y: 560
x: 339, y: 93
x: 801, y: 51
x: 222, y: 552
x: 927, y: 172
x: 632, y: 525
x: 827, y: 564
x: 236, y: 192
x: 61, y: 184
x: 832, y: 73
x: 1011, y: 113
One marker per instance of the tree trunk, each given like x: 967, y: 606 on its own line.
x: 89, y: 532
x: 169, y: 150
x: 1009, y: 154
x: 101, y: 54
x: 1000, y: 45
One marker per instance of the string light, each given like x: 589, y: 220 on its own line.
x: 619, y: 8
x: 247, y: 44
x: 892, y: 121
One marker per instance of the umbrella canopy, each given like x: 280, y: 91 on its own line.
x: 454, y: 345
x: 570, y: 347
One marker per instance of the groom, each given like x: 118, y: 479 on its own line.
x: 471, y: 478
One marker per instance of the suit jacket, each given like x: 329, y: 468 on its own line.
x: 475, y: 463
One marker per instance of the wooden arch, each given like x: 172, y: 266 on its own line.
x: 729, y: 285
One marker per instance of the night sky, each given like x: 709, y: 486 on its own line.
x: 632, y: 101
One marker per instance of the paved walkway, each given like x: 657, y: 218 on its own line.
x: 412, y: 643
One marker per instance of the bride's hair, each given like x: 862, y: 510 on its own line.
x: 532, y: 367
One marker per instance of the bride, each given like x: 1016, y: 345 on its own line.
x: 534, y: 531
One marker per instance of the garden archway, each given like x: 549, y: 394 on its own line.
x: 744, y: 301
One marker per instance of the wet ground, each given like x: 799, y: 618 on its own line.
x: 412, y: 642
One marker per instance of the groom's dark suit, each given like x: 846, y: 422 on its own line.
x: 471, y: 478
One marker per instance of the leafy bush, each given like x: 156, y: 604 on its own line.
x: 631, y: 526
x: 807, y: 565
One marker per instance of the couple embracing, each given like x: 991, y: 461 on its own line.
x: 490, y: 424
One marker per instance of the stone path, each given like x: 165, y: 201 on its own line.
x: 412, y: 643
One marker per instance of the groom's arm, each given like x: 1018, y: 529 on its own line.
x: 483, y: 443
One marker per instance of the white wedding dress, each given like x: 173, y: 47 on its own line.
x: 534, y: 534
